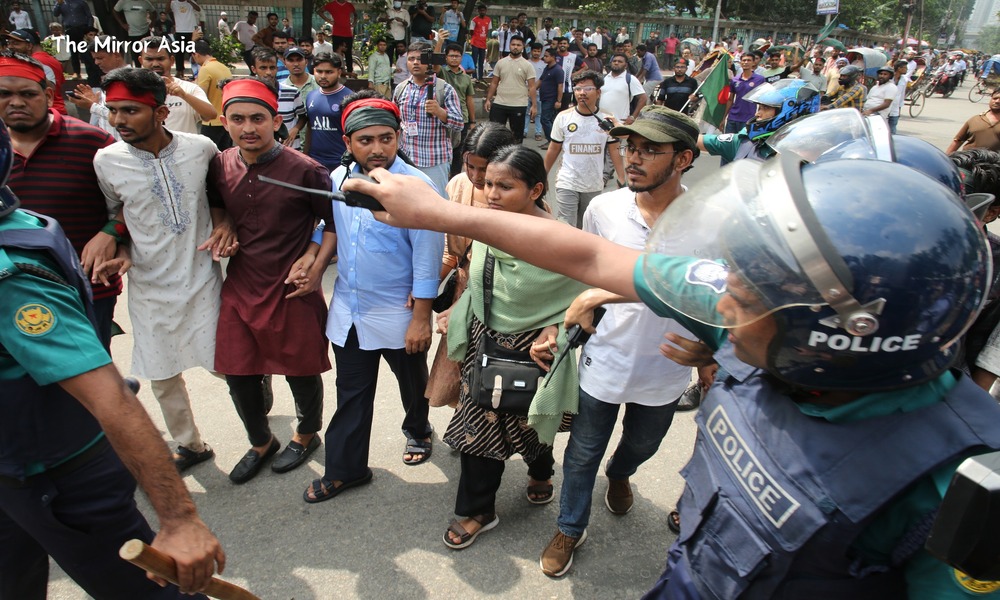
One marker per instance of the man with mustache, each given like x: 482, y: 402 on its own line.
x: 267, y: 326
x: 154, y: 179
x: 371, y: 315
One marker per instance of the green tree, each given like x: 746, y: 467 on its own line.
x: 989, y: 39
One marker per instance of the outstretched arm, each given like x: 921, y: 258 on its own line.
x: 557, y: 247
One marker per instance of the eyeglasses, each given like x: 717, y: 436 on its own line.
x: 644, y: 153
x: 584, y: 88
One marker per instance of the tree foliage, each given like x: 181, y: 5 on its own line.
x: 878, y: 16
x: 989, y: 39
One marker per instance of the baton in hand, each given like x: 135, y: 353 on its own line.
x: 349, y: 198
x: 163, y: 566
x: 575, y: 337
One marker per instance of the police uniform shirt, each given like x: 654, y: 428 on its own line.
x: 727, y: 145
x: 927, y: 578
x: 583, y: 143
x: 46, y: 332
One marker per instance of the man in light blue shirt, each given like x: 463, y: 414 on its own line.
x: 386, y: 281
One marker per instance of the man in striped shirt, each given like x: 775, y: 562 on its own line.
x: 53, y: 172
x: 429, y: 108
x: 291, y: 106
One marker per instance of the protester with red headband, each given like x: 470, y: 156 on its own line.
x: 371, y: 316
x: 26, y: 41
x: 173, y: 286
x: 59, y: 180
x: 268, y: 326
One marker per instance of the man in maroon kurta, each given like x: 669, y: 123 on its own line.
x: 266, y: 325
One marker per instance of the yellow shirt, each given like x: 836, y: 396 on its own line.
x: 210, y: 75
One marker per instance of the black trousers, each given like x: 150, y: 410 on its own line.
x: 80, y: 519
x: 348, y: 438
x: 219, y: 135
x: 458, y: 154
x: 348, y: 41
x: 180, y: 56
x: 511, y: 116
x: 251, y: 403
x: 78, y: 33
x: 480, y: 480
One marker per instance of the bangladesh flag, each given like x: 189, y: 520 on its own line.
x: 716, y: 91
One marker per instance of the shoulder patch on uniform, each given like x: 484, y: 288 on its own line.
x: 572, y: 127
x: 34, y: 319
x: 975, y: 586
x: 725, y: 137
x: 708, y: 273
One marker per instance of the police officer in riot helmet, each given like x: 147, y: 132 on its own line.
x: 778, y: 104
x: 834, y: 424
x: 72, y: 432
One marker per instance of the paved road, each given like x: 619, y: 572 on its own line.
x: 384, y: 540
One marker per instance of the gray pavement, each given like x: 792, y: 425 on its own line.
x: 384, y: 540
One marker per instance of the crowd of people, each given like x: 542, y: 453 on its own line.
x: 172, y: 177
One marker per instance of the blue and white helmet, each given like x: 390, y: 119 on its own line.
x: 870, y: 285
x: 792, y: 98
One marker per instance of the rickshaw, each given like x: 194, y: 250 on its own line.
x: 867, y: 59
x: 988, y: 80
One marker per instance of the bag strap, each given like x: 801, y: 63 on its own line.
x: 488, y: 286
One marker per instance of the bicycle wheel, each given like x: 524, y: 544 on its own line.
x: 917, y: 104
x: 928, y: 89
x: 359, y: 67
x: 978, y: 93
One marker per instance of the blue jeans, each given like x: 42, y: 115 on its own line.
x: 642, y: 430
x: 893, y: 122
x: 479, y: 57
x: 538, y: 119
x: 547, y: 116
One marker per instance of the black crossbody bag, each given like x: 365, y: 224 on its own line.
x: 503, y: 380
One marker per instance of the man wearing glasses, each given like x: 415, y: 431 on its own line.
x: 579, y: 131
x: 659, y: 147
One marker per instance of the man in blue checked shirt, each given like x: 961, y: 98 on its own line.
x: 429, y: 108
x: 387, y: 279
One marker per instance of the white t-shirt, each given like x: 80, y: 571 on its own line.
x: 622, y: 361
x: 616, y: 94
x: 397, y: 29
x: 185, y: 17
x: 900, y: 97
x: 583, y: 144
x: 183, y: 117
x: 224, y: 29
x: 879, y: 94
x: 244, y: 33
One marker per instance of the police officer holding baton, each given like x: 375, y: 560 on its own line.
x: 73, y: 436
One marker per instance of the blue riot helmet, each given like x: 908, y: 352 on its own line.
x: 792, y: 98
x: 871, y: 271
x: 843, y: 133
x: 8, y: 201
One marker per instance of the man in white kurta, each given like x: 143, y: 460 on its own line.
x: 173, y: 288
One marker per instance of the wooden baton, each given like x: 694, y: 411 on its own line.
x: 150, y: 559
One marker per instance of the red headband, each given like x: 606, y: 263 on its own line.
x: 14, y: 67
x: 249, y: 90
x: 117, y: 91
x: 380, y: 103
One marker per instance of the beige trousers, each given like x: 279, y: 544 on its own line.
x: 176, y: 407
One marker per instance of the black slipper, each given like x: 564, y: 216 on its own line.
x: 323, y: 489
x: 674, y: 522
